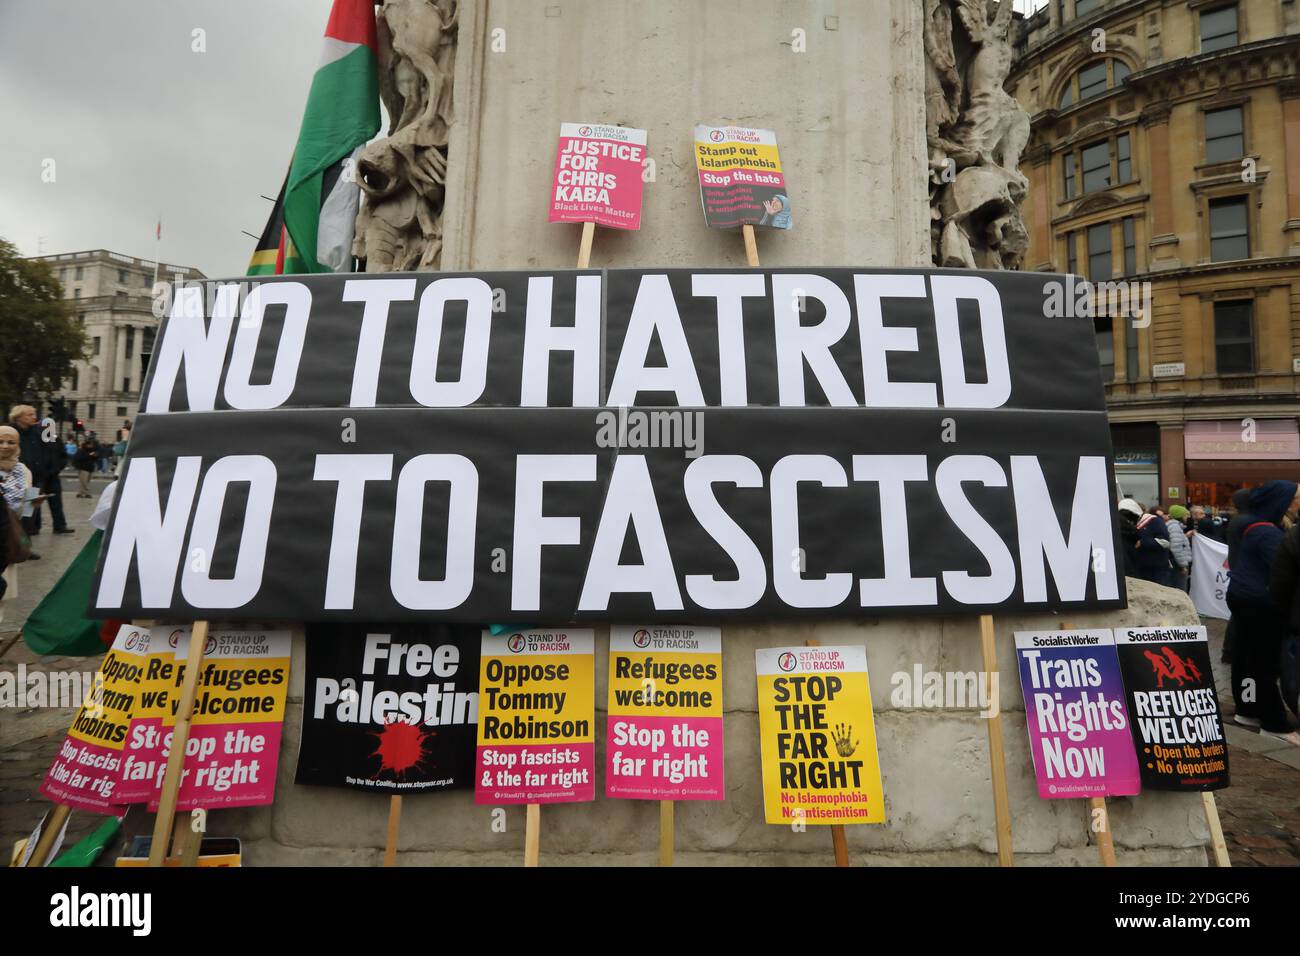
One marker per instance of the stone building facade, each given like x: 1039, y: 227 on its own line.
x: 112, y: 295
x: 1165, y: 158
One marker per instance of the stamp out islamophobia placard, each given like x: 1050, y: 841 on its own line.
x: 390, y: 708
x: 598, y: 175
x: 1074, y: 705
x: 741, y: 182
x: 85, y: 771
x: 665, y: 713
x: 537, y: 710
x: 144, y: 755
x: 818, y: 736
x: 234, y: 744
x: 1174, y: 707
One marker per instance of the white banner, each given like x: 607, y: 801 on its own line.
x: 1210, y: 576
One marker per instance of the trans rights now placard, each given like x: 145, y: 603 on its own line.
x: 1074, y: 705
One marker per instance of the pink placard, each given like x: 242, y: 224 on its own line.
x: 598, y: 175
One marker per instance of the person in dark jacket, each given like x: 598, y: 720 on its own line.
x: 1261, y: 625
x: 1154, y: 563
x: 1237, y: 523
x: 1201, y: 523
x: 84, y: 462
x: 1129, y: 511
x: 1284, y: 586
x: 44, y: 459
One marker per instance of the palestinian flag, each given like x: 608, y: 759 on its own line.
x: 59, y: 624
x: 310, y: 229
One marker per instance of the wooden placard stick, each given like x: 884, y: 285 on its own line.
x: 997, y: 752
x: 839, y: 842
x: 584, y: 247
x: 532, y: 834
x: 665, y: 833
x: 197, y: 823
x: 751, y: 245
x: 50, y: 832
x: 1097, y: 812
x: 394, y: 823
x: 1105, y: 843
x: 162, y: 825
x: 1217, y: 841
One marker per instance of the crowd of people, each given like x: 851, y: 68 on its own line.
x: 1262, y: 642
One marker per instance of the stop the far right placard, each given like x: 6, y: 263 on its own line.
x: 818, y: 736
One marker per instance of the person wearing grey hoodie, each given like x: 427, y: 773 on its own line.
x: 1180, y: 549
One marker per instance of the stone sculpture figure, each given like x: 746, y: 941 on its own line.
x: 404, y: 176
x: 975, y: 133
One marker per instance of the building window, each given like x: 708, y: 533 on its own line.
x: 1123, y: 159
x: 1093, y: 80
x: 72, y: 410
x: 1105, y: 347
x: 121, y: 411
x: 1096, y: 166
x: 81, y: 317
x: 95, y: 345
x: 78, y: 273
x: 1131, y: 370
x: 76, y: 380
x: 90, y: 413
x: 1218, y: 28
x: 1130, y: 245
x: 1234, y: 339
x: 130, y: 342
x: 1068, y: 165
x: 123, y: 276
x: 126, y: 385
x: 1224, y: 139
x: 76, y: 293
x: 1071, y: 254
x: 1099, y: 258
x: 1084, y: 7
x: 1229, y: 235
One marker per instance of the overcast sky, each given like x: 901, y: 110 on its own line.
x: 138, y: 125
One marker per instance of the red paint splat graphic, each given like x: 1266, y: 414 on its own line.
x: 401, y: 747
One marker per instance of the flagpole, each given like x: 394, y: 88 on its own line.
x: 157, y: 244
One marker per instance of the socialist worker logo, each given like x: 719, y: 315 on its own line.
x: 641, y: 638
x: 584, y: 130
x: 787, y: 662
x: 716, y: 135
x: 516, y: 643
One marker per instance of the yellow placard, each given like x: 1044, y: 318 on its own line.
x: 818, y: 736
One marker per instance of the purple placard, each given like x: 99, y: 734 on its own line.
x: 1074, y: 705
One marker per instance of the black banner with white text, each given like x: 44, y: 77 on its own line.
x: 472, y: 448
